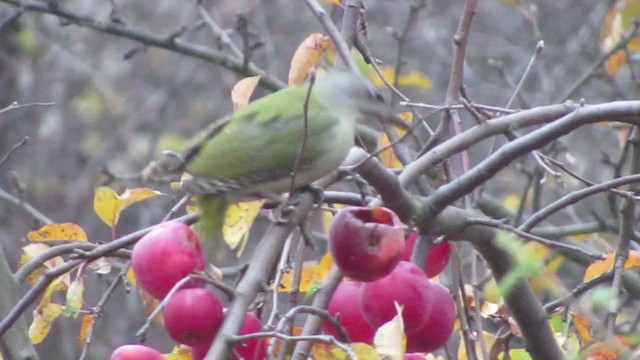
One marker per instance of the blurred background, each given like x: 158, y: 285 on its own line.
x: 118, y: 103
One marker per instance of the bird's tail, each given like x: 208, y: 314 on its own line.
x: 212, y: 212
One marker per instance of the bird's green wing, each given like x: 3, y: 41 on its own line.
x: 261, y: 142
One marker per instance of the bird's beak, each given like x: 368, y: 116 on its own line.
x: 387, y: 116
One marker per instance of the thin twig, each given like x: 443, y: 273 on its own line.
x: 547, y: 242
x: 527, y: 71
x: 15, y: 147
x: 169, y: 42
x: 305, y: 133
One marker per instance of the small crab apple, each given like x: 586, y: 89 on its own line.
x: 193, y: 316
x: 252, y: 349
x: 165, y: 256
x: 437, y: 258
x: 414, y: 356
x: 409, y: 287
x: 136, y: 352
x: 439, y: 325
x: 366, y: 243
x: 345, y: 303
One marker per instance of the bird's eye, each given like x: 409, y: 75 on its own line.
x: 374, y: 94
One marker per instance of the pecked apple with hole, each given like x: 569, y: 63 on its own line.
x: 438, y: 327
x: 366, y: 243
x: 165, y: 256
x: 345, y: 303
x: 408, y: 286
x: 136, y: 352
x: 437, y: 258
x: 193, y: 316
x: 252, y: 349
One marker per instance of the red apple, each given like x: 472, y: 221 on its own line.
x: 366, y: 243
x: 437, y: 258
x: 439, y: 325
x: 345, y: 302
x: 413, y: 356
x: 193, y: 316
x: 136, y: 352
x: 165, y: 256
x: 254, y: 349
x: 408, y: 286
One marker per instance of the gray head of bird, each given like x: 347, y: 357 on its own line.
x: 352, y: 93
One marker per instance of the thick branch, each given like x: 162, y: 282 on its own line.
x: 622, y: 111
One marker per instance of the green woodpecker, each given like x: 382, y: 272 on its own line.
x: 252, y: 152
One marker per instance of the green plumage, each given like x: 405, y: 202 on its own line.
x: 252, y: 153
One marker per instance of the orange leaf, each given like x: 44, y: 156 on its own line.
x: 600, y: 267
x: 241, y: 92
x: 618, y: 20
x: 307, y: 55
x: 606, y: 350
x: 64, y: 231
x: 334, y: 2
x: 85, y: 326
x: 583, y: 327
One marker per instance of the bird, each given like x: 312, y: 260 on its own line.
x: 254, y: 152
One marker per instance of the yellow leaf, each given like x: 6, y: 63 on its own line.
x: 131, y: 277
x: 237, y: 223
x: 388, y: 156
x: 43, y: 317
x: 64, y: 231
x: 74, y: 297
x: 33, y: 250
x: 323, y: 351
x: 310, y: 276
x: 326, y: 263
x: 516, y: 354
x: 180, y: 352
x: 28, y: 253
x: 390, y: 339
x: 414, y: 78
x: 85, y: 326
x: 600, y: 267
x: 307, y: 55
x: 108, y: 205
x: 489, y: 340
x: 241, y: 92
